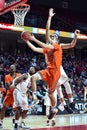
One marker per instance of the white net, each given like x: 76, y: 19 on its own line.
x: 20, y: 13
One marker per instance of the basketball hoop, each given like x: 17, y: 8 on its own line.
x: 19, y: 13
x: 7, y: 5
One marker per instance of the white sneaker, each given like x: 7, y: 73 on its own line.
x: 23, y: 126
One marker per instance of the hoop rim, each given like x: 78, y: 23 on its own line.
x: 22, y: 4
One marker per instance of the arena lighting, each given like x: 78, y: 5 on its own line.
x: 12, y: 27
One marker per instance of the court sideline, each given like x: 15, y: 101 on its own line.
x: 63, y: 122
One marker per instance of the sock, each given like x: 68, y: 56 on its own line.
x: 71, y: 100
x: 13, y: 120
x: 22, y: 120
x: 53, y: 118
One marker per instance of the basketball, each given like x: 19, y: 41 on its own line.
x: 2, y: 2
x: 25, y: 35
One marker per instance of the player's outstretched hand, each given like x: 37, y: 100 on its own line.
x: 51, y: 12
x: 26, y: 35
x: 77, y: 32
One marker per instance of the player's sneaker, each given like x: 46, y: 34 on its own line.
x: 53, y: 112
x: 69, y: 110
x: 48, y: 122
x: 13, y: 122
x: 15, y: 126
x: 53, y: 122
x: 1, y: 126
x: 23, y: 126
x: 72, y: 106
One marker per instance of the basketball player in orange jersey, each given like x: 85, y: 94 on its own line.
x: 8, y: 100
x: 49, y: 74
x: 52, y: 73
x: 63, y: 77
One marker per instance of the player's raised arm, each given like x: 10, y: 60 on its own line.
x: 73, y: 43
x: 26, y: 36
x: 48, y: 24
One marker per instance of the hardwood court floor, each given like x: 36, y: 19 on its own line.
x: 63, y: 122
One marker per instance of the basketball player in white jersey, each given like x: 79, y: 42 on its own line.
x: 64, y: 80
x: 21, y: 85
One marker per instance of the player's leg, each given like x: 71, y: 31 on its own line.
x: 2, y: 115
x: 52, y: 86
x: 41, y: 75
x: 34, y: 79
x: 47, y: 103
x: 53, y: 101
x: 24, y: 107
x: 17, y: 108
x: 6, y: 104
x: 70, y: 96
x: 20, y: 103
x: 63, y: 105
x: 60, y: 95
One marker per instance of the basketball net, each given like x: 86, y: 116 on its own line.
x: 19, y: 13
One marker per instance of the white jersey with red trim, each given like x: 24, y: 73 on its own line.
x: 24, y: 85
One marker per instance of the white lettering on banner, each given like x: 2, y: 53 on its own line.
x: 81, y: 106
x: 5, y: 26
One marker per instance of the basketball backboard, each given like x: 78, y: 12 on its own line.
x: 10, y: 4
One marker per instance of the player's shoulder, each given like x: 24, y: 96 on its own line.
x: 7, y: 75
x: 56, y: 45
x: 18, y: 74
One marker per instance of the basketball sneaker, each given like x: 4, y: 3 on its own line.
x: 48, y: 122
x: 1, y: 125
x: 23, y: 126
x: 69, y: 110
x: 53, y: 123
x: 53, y: 112
x: 13, y: 122
x: 15, y: 126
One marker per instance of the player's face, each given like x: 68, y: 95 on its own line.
x: 54, y: 38
x: 12, y: 68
